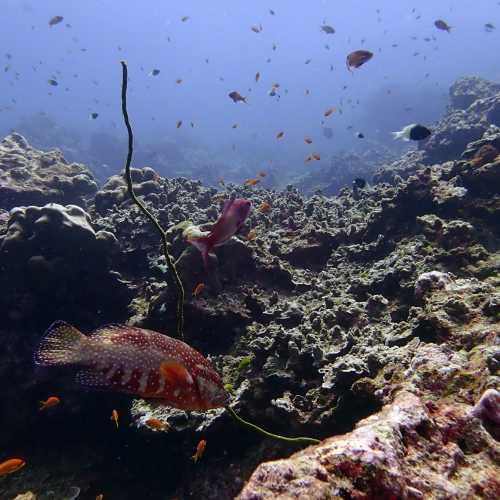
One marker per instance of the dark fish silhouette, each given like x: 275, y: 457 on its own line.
x: 358, y: 58
x: 442, y: 25
x: 55, y: 20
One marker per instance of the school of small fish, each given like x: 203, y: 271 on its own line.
x: 355, y: 60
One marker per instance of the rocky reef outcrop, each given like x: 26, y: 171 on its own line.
x: 55, y: 265
x: 342, y: 170
x: 30, y: 176
x: 475, y: 107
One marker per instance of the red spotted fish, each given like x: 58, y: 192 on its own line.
x: 229, y: 223
x: 135, y: 361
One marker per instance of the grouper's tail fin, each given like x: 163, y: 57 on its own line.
x: 62, y: 345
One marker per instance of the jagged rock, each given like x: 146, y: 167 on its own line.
x: 341, y: 172
x: 29, y: 176
x: 114, y: 191
x: 452, y: 134
x: 55, y: 266
x: 488, y: 407
x: 401, y: 168
x: 409, y: 450
x: 468, y: 89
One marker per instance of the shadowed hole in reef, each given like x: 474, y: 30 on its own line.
x: 352, y: 409
x: 400, y: 314
x: 494, y: 116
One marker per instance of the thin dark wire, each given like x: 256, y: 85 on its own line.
x: 145, y: 211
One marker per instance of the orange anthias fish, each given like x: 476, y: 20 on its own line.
x: 135, y: 361
x: 262, y: 173
x: 228, y: 224
x: 198, y: 289
x: 200, y: 449
x: 308, y: 140
x: 257, y: 76
x: 115, y: 417
x: 328, y: 112
x: 99, y: 497
x: 485, y: 154
x: 252, y: 234
x: 251, y: 182
x: 11, y: 465
x: 49, y: 403
x: 156, y: 424
x: 358, y: 58
x: 264, y: 207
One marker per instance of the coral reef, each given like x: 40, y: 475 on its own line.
x: 56, y: 266
x: 474, y: 114
x: 368, y: 319
x: 31, y: 176
x: 411, y: 449
x: 343, y: 169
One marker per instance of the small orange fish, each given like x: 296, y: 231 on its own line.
x: 178, y: 124
x: 178, y: 81
x: 156, y: 424
x: 198, y: 289
x: 49, y: 403
x: 252, y: 234
x: 280, y: 135
x: 262, y: 173
x: 251, y: 182
x: 257, y: 76
x: 264, y: 207
x: 99, y: 497
x: 200, y: 449
x: 114, y: 417
x: 11, y: 465
x: 485, y: 154
x: 308, y: 140
x: 328, y: 112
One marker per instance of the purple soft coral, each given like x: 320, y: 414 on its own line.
x: 488, y: 406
